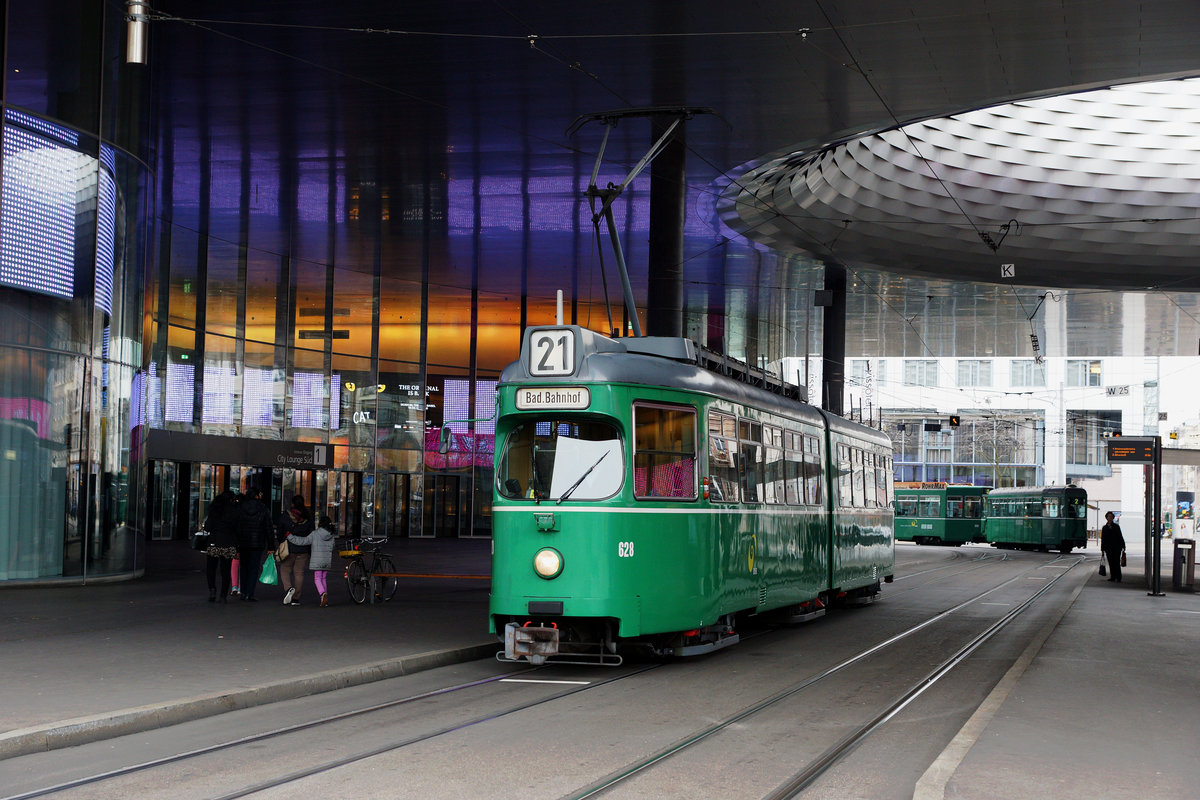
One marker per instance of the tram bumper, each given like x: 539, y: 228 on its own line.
x: 533, y: 643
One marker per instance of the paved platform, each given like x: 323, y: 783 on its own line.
x: 1104, y: 708
x: 89, y: 662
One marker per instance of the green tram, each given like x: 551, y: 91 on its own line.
x: 1036, y: 518
x: 935, y: 512
x: 645, y: 501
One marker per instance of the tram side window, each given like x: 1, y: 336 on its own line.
x: 1050, y: 508
x: 931, y: 505
x: 845, y: 476
x: 722, y: 458
x: 751, y: 461
x: 906, y: 506
x: 954, y: 506
x: 773, y: 469
x: 793, y: 468
x: 664, y: 456
x: 882, y: 481
x: 814, y: 469
x: 1033, y: 508
x: 860, y: 499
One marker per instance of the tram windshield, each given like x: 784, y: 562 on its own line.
x: 560, y: 460
x: 1077, y: 507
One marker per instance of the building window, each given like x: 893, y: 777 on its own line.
x: 920, y: 373
x: 974, y: 373
x: 1027, y: 372
x: 863, y: 372
x: 937, y: 447
x: 1083, y: 373
x: 1086, y: 436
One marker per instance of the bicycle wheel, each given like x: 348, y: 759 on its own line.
x: 356, y: 581
x: 385, y: 588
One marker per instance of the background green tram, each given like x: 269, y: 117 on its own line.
x: 935, y: 512
x: 644, y: 501
x: 1036, y: 518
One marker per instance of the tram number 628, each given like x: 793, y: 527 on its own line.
x: 624, y: 549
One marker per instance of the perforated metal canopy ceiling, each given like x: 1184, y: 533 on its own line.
x: 866, y: 131
x: 1094, y: 189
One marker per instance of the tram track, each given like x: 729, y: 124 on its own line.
x: 800, y: 779
x: 327, y: 765
x: 803, y: 777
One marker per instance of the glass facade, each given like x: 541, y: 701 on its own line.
x: 74, y: 221
x: 1000, y: 449
x: 203, y: 290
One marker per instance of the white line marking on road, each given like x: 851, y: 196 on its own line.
x: 526, y: 680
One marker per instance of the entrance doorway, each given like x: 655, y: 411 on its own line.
x: 447, y: 496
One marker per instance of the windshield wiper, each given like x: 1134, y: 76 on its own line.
x: 575, y: 485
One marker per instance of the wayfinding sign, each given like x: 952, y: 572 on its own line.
x: 1131, y: 450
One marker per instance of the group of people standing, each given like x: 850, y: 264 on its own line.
x: 240, y: 532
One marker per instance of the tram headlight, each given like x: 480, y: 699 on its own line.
x: 548, y: 563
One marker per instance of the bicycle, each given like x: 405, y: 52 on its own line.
x: 365, y: 560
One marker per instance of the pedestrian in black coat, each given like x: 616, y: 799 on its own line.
x: 254, y: 534
x: 221, y: 524
x: 1112, y: 545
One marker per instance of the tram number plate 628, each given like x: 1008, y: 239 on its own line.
x: 624, y: 549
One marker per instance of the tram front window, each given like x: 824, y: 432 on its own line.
x: 559, y: 460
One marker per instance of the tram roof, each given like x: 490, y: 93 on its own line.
x: 1016, y: 491
x: 675, y: 363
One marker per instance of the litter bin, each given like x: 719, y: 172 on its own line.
x: 1183, y: 571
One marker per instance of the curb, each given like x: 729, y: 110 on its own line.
x: 83, y: 730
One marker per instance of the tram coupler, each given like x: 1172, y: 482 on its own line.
x: 533, y: 643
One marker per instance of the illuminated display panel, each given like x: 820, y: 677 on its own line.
x: 258, y: 393
x: 154, y: 397
x: 1125, y: 449
x: 335, y: 401
x: 456, y: 403
x: 220, y: 385
x: 485, y: 407
x: 37, y: 213
x: 181, y: 385
x: 106, y: 229
x: 308, y: 400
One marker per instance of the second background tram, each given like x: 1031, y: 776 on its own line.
x: 935, y: 512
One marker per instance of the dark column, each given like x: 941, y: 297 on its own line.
x: 664, y: 301
x: 833, y: 339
